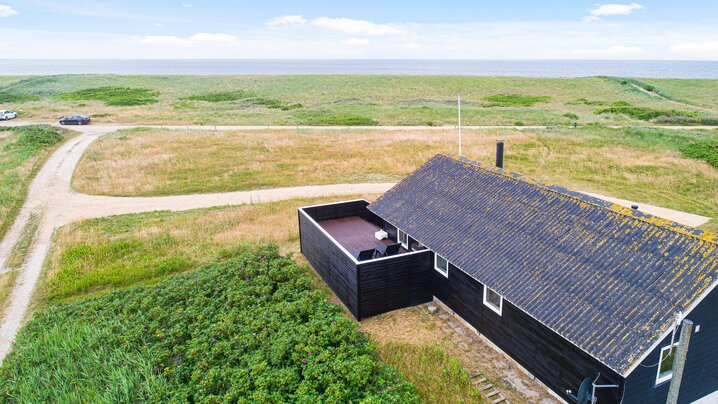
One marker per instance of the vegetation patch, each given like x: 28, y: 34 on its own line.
x: 516, y: 100
x: 706, y: 151
x: 23, y: 150
x: 22, y: 247
x: 241, y: 95
x: 8, y: 97
x: 438, y: 377
x: 646, y: 113
x: 112, y: 96
x: 320, y: 118
x: 248, y: 329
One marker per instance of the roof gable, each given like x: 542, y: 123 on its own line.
x: 606, y: 278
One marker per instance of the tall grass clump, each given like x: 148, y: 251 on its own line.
x: 112, y: 96
x: 706, y: 151
x: 248, y: 329
x: 516, y: 100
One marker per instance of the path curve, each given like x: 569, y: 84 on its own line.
x: 50, y: 196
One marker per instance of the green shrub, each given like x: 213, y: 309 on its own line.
x: 571, y: 116
x: 112, y: 96
x: 248, y: 329
x: 516, y: 100
x: 7, y: 97
x: 221, y: 96
x: 706, y: 151
x: 330, y: 119
x: 645, y: 113
x: 33, y: 138
x: 241, y: 95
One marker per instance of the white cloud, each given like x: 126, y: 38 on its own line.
x: 612, y: 9
x: 287, y: 20
x: 610, y: 52
x: 187, y: 5
x: 164, y: 40
x: 356, y: 41
x: 207, y: 37
x: 411, y: 45
x: 7, y: 11
x: 707, y: 50
x: 196, y: 38
x: 356, y: 27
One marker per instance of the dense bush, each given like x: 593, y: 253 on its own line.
x: 646, y: 113
x: 113, y: 96
x: 331, y: 119
x: 241, y: 95
x: 249, y: 329
x: 32, y: 138
x: 706, y: 150
x: 516, y: 100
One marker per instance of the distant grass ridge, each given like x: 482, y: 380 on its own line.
x: 237, y: 95
x: 320, y: 118
x: 249, y: 329
x: 7, y: 97
x: 516, y: 100
x: 706, y: 151
x: 112, y: 96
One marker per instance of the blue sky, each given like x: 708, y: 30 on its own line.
x: 449, y: 29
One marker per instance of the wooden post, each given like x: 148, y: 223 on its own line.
x: 679, y: 362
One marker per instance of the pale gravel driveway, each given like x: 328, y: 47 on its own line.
x: 50, y: 196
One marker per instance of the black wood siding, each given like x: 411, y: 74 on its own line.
x: 395, y: 283
x: 700, y: 375
x: 336, y: 268
x: 553, y: 360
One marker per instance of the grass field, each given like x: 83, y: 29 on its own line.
x: 644, y: 165
x: 23, y: 151
x: 101, y: 255
x: 344, y: 99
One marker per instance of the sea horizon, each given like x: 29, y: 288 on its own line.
x: 549, y: 68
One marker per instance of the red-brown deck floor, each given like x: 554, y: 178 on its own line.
x: 354, y: 233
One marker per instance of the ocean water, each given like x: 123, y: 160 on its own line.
x: 531, y: 68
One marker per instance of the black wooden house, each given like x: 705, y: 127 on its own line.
x: 570, y: 286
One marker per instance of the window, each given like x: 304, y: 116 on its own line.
x: 665, y: 364
x: 493, y: 300
x: 402, y: 238
x: 441, y: 265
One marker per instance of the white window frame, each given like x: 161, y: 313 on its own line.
x: 662, y: 379
x: 436, y: 266
x: 497, y: 310
x: 398, y: 238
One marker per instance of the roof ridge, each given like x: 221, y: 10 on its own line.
x: 702, y: 235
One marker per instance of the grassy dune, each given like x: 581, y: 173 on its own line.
x: 340, y: 99
x: 23, y: 151
x: 647, y: 166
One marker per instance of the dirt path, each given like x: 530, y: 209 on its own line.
x: 51, y: 197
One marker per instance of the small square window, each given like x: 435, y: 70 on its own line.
x: 441, y: 265
x: 665, y: 364
x: 402, y: 238
x: 493, y: 300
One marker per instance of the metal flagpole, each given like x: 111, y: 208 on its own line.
x: 459, y: 106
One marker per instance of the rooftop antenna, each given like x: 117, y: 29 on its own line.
x: 459, y: 125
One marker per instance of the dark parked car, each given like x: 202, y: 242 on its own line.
x: 75, y: 120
